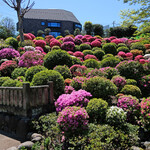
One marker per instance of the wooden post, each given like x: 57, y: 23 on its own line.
x: 51, y: 92
x: 26, y: 99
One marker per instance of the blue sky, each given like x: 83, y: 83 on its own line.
x: 97, y: 11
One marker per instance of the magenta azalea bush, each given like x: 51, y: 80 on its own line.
x: 73, y: 120
x: 68, y: 39
x: 76, y: 98
x: 68, y: 46
x: 78, y: 70
x: 130, y: 105
x: 8, y: 53
x: 68, y: 89
x: 90, y: 57
x: 31, y: 58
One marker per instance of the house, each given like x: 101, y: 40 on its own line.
x: 58, y: 20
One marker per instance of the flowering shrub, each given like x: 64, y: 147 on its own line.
x: 145, y: 112
x: 67, y: 81
x: 77, y: 82
x: 29, y: 48
x: 55, y: 43
x: 78, y: 70
x: 68, y: 39
x: 116, y: 116
x: 68, y: 89
x: 96, y: 43
x: 68, y: 46
x: 78, y: 36
x: 8, y: 53
x: 119, y: 81
x: 116, y: 41
x: 90, y: 57
x: 38, y: 48
x: 130, y: 105
x: 136, y: 52
x: 78, y: 54
x: 31, y: 35
x: 138, y: 57
x: 73, y: 121
x: 31, y: 58
x: 122, y: 54
x: 76, y: 98
x: 26, y: 43
x: 40, y: 43
x: 138, y: 46
x: 95, y: 72
x: 26, y: 37
x: 7, y: 67
x: 77, y: 41
x: 129, y: 56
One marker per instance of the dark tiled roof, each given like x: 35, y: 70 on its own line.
x: 51, y: 14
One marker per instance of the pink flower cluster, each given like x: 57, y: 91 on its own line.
x: 76, y: 98
x: 78, y: 70
x: 8, y: 53
x: 145, y: 82
x: 96, y: 43
x: 117, y: 41
x: 40, y: 43
x: 68, y: 89
x: 54, y: 42
x: 95, y: 72
x: 31, y: 58
x: 68, y: 39
x: 90, y: 57
x: 73, y: 120
x: 78, y: 54
x: 68, y: 46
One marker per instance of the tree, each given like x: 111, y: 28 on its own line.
x: 88, y: 27
x: 98, y: 29
x: 77, y: 32
x: 47, y: 31
x: 66, y: 32
x: 138, y: 16
x: 21, y: 11
x: 40, y: 33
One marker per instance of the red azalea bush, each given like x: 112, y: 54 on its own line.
x: 90, y: 57
x: 40, y: 43
x: 31, y: 35
x: 96, y: 43
x: 26, y: 37
x: 68, y: 39
x: 31, y: 58
x: 122, y: 54
x: 70, y: 52
x: 116, y: 41
x: 73, y: 121
x: 76, y: 98
x: 129, y: 56
x: 78, y: 70
x: 8, y: 53
x: 78, y: 54
x: 68, y: 46
x: 7, y: 67
x: 138, y: 57
x: 77, y: 41
x: 55, y: 43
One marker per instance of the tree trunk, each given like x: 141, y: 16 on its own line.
x: 20, y: 28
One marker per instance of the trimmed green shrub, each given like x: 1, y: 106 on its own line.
x: 57, y: 57
x: 131, y: 90
x: 42, y: 78
x: 86, y: 52
x: 10, y: 83
x: 91, y: 63
x: 55, y: 48
x: 76, y: 60
x: 123, y: 49
x: 85, y: 47
x: 3, y: 79
x: 18, y: 72
x: 121, y: 45
x: 12, y: 42
x: 26, y: 43
x: 131, y: 82
x: 107, y: 55
x: 110, y: 62
x: 77, y: 48
x: 96, y: 48
x: 32, y: 71
x: 138, y: 46
x: 47, y: 48
x: 99, y: 54
x: 100, y: 87
x: 39, y: 38
x: 64, y: 71
x: 110, y: 48
x: 96, y: 109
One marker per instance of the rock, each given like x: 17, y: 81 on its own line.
x: 29, y: 135
x: 12, y: 148
x: 135, y: 148
x: 147, y: 145
x: 35, y: 135
x: 36, y: 139
x: 146, y: 56
x: 28, y: 145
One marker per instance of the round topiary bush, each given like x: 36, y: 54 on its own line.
x: 116, y: 116
x: 96, y: 109
x: 110, y: 62
x: 47, y: 48
x: 123, y: 49
x: 138, y: 46
x: 57, y: 57
x: 42, y: 78
x: 26, y: 43
x: 131, y: 90
x: 10, y: 83
x: 12, y: 42
x: 68, y: 46
x: 64, y: 71
x: 86, y: 52
x: 91, y: 63
x: 99, y: 54
x: 100, y: 87
x: 32, y: 71
x: 85, y: 47
x: 76, y: 60
x: 3, y: 79
x: 110, y: 48
x: 130, y: 69
x: 18, y: 72
x: 131, y: 82
x: 55, y: 48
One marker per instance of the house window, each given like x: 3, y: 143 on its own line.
x: 78, y: 26
x: 43, y: 23
x: 53, y: 24
x: 55, y: 34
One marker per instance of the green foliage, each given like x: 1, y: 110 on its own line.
x: 76, y: 60
x: 42, y: 78
x: 47, y: 48
x: 96, y: 109
x: 77, y: 48
x: 131, y: 82
x: 85, y: 47
x: 40, y: 33
x: 12, y: 42
x: 57, y: 57
x: 138, y: 46
x: 77, y: 32
x: 98, y: 29
x: 55, y: 48
x: 99, y: 54
x: 39, y: 38
x: 86, y: 52
x: 18, y: 72
x: 121, y: 45
x: 32, y: 71
x: 4, y: 32
x: 64, y: 71
x: 110, y: 48
x: 26, y: 43
x: 110, y: 62
x: 10, y: 83
x: 3, y: 79
x: 91, y: 63
x: 88, y: 27
x: 131, y: 90
x: 100, y: 87
x: 123, y: 49
x: 47, y: 31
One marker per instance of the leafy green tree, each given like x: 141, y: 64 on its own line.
x: 77, y: 31
x: 40, y: 33
x: 47, y: 31
x: 88, y: 27
x: 66, y: 32
x: 98, y: 29
x: 138, y: 16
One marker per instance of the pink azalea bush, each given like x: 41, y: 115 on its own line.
x: 68, y: 39
x: 78, y: 54
x: 68, y: 46
x: 55, y: 43
x: 96, y: 43
x: 73, y: 121
x: 117, y: 41
x: 8, y: 53
x: 68, y: 89
x: 95, y: 72
x: 90, y: 57
x: 31, y: 35
x: 40, y: 43
x: 122, y: 54
x: 39, y: 49
x: 31, y: 58
x: 76, y: 98
x: 130, y: 105
x: 77, y: 41
x: 78, y: 70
